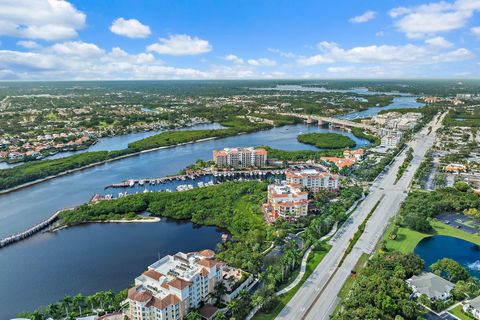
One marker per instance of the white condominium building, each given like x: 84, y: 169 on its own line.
x: 240, y: 157
x: 285, y: 201
x: 312, y: 179
x: 173, y: 285
x: 390, y: 141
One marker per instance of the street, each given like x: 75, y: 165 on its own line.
x: 317, y: 298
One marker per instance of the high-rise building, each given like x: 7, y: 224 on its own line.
x: 285, y: 201
x: 312, y: 179
x: 173, y: 285
x: 240, y: 157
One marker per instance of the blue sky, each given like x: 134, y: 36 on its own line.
x: 189, y: 39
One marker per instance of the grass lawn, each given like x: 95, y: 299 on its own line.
x: 407, y: 239
x: 314, y: 259
x: 458, y: 312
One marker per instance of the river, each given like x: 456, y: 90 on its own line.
x: 45, y: 267
x: 116, y: 142
x: 88, y: 259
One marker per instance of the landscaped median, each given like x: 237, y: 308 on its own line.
x: 315, y: 257
x: 359, y: 232
x: 407, y: 239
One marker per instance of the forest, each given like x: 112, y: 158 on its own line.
x: 326, y: 140
x: 234, y: 206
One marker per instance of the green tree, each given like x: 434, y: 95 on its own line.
x: 449, y: 269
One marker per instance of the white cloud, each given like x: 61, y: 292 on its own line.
x: 40, y: 19
x: 283, y: 53
x: 78, y: 48
x: 365, y: 17
x: 233, y: 58
x: 476, y: 31
x: 432, y: 18
x: 439, y: 42
x: 408, y: 55
x: 180, y: 45
x: 379, y: 34
x: 28, y: 44
x: 340, y: 70
x: 131, y: 28
x: 77, y: 60
x: 261, y: 62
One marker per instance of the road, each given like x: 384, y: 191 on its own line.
x: 318, y: 297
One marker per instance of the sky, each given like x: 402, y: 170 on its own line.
x: 243, y: 39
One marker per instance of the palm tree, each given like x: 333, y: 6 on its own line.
x: 193, y: 315
x: 66, y: 302
x: 233, y: 306
x: 78, y: 300
x: 91, y: 300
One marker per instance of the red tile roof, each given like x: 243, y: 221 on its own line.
x: 179, y: 283
x: 153, y: 274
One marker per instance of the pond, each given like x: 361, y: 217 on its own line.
x: 435, y: 248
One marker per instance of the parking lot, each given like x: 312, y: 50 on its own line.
x: 460, y: 221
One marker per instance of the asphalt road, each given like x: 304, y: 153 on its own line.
x: 318, y: 297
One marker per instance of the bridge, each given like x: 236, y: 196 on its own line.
x: 332, y: 122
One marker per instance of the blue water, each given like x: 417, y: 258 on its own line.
x: 89, y: 258
x: 24, y: 208
x: 117, y: 142
x: 96, y: 257
x: 400, y: 101
x: 434, y: 248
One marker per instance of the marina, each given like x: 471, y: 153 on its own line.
x: 107, y: 244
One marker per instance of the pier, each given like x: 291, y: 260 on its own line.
x: 31, y: 231
x: 252, y: 174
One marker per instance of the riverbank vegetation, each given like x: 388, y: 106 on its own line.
x: 234, y: 206
x: 326, y: 140
x: 300, y: 155
x: 362, y: 134
x: 36, y: 170
x: 380, y: 291
x: 70, y: 308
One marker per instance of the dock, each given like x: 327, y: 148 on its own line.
x: 31, y: 231
x: 252, y: 174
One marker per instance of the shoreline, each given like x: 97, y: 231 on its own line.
x: 34, y: 182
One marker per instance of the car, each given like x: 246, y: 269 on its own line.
x: 458, y: 227
x: 447, y: 222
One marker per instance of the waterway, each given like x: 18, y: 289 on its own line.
x: 117, y: 142
x: 24, y: 208
x: 90, y: 258
x: 466, y: 253
x: 400, y: 101
x: 96, y: 257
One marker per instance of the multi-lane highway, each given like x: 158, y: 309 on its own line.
x: 317, y: 298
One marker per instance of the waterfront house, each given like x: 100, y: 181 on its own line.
x: 431, y: 285
x: 473, y: 307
